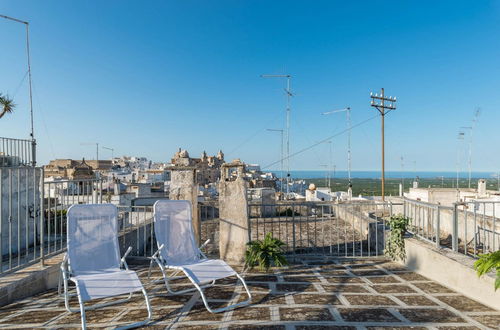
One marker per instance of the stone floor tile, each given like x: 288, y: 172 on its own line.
x: 412, y: 277
x: 159, y: 315
x: 393, y: 266
x: 334, y: 288
x: 430, y: 315
x: 200, y: 313
x: 465, y: 327
x: 264, y: 299
x: 256, y: 326
x: 488, y: 320
x: 366, y: 315
x: 432, y: 287
x: 333, y: 272
x: 464, y: 304
x: 396, y: 328
x: 368, y: 272
x: 383, y: 279
x: 316, y: 299
x: 374, y: 300
x: 299, y: 278
x: 252, y: 313
x: 323, y: 327
x: 416, y: 300
x: 343, y: 279
x: 260, y: 278
x: 33, y: 317
x: 393, y: 288
x: 309, y: 314
x: 295, y: 287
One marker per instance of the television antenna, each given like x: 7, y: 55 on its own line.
x: 288, y: 109
x: 112, y: 152
x: 348, y: 113
x: 93, y: 143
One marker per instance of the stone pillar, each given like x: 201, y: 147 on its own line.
x: 183, y: 186
x: 233, y: 213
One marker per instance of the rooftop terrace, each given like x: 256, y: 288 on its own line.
x: 310, y: 294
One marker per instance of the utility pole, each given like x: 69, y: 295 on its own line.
x: 281, y: 160
x: 96, y: 145
x: 32, y: 134
x: 378, y: 102
x: 348, y: 113
x: 288, y: 109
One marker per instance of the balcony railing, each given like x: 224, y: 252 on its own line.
x: 17, y: 152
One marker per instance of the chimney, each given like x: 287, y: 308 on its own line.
x: 481, y: 187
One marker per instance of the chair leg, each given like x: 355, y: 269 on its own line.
x: 230, y: 307
x: 82, y: 312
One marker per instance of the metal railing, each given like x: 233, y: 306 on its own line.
x: 354, y: 229
x: 470, y: 227
x: 425, y: 220
x: 208, y: 213
x: 136, y: 229
x: 58, y: 197
x: 17, y: 152
x: 33, y: 214
x: 20, y: 217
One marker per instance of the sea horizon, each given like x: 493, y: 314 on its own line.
x: 316, y: 174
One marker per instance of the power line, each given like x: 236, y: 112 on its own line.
x: 322, y: 141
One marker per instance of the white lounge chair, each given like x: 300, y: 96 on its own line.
x: 177, y: 251
x: 93, y: 260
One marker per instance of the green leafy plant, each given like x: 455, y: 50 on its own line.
x: 395, y: 246
x: 488, y: 262
x: 6, y: 105
x: 265, y: 253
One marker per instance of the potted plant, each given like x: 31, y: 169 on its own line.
x: 488, y: 262
x: 265, y: 253
x: 395, y: 246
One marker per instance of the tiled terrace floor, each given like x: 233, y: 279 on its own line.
x: 335, y: 294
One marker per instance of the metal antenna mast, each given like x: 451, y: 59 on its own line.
x: 348, y: 112
x: 471, y: 129
x: 112, y: 152
x: 378, y: 102
x: 281, y: 151
x: 33, y: 141
x: 460, y: 136
x: 288, y: 96
x: 96, y: 145
x: 402, y: 174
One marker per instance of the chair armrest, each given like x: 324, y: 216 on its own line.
x: 158, y: 251
x: 204, y: 244
x: 64, y: 267
x: 123, y: 259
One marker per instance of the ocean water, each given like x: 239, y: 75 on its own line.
x: 388, y: 174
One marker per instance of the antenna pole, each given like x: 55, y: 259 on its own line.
x: 32, y: 134
x: 288, y: 110
x: 288, y: 94
x: 349, y: 189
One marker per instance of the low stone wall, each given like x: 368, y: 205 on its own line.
x: 452, y: 270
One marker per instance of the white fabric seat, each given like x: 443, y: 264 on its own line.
x: 93, y: 260
x: 207, y: 270
x: 106, y: 284
x: 177, y: 250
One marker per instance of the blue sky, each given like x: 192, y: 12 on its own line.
x: 147, y: 77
